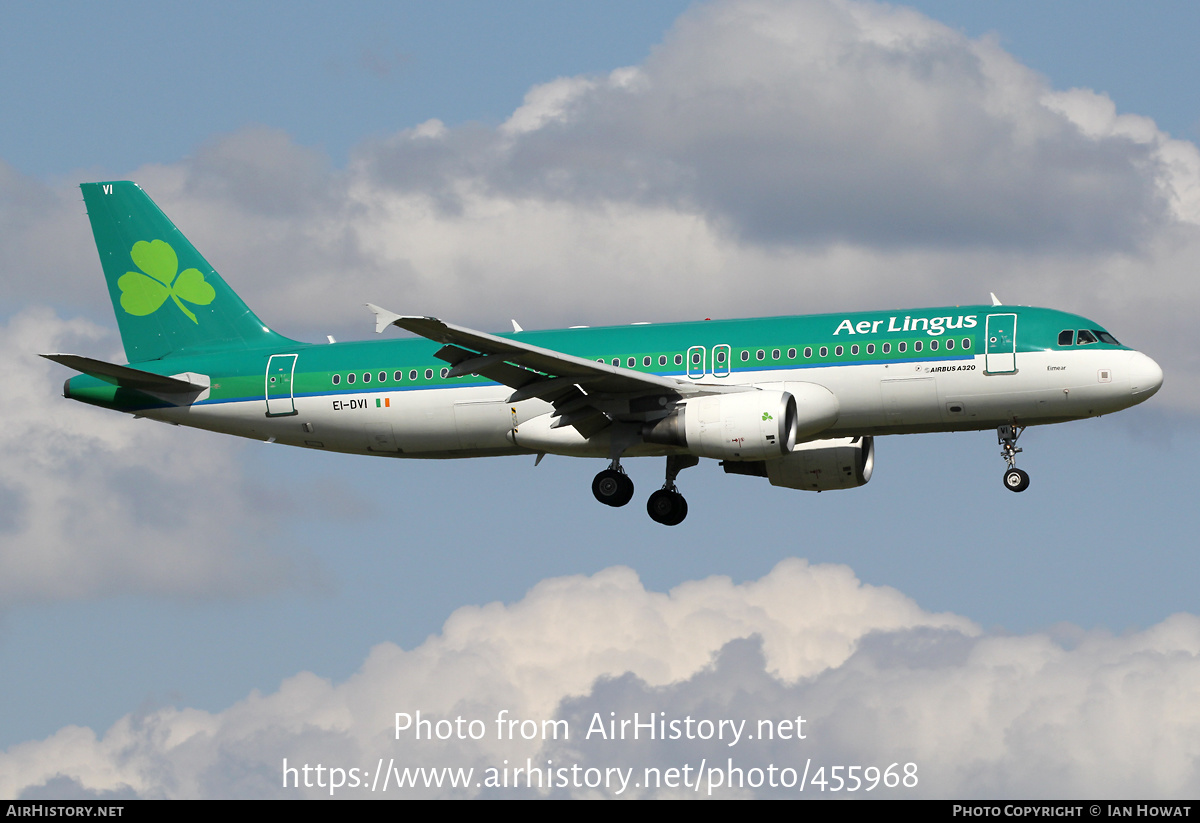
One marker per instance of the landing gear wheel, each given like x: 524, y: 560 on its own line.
x: 612, y: 488
x: 667, y: 507
x: 1016, y: 480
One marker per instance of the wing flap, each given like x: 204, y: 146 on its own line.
x: 493, y: 367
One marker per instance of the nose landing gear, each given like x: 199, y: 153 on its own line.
x: 1014, y: 479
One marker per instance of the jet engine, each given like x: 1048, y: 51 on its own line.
x: 752, y: 425
x: 820, y: 465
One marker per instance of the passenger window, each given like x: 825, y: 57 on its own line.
x: 824, y: 351
x: 662, y: 360
x: 695, y: 358
x: 745, y: 355
x: 933, y: 345
x: 791, y: 354
x: 429, y: 374
x: 917, y: 346
x: 807, y: 352
x: 646, y: 361
x: 901, y: 346
x: 383, y: 377
x: 887, y: 347
x: 775, y: 354
x: 950, y: 343
x: 1065, y: 337
x: 721, y: 357
x: 412, y: 375
x: 870, y: 348
x: 398, y: 376
x: 761, y: 354
x: 679, y: 360
x: 854, y: 349
x: 966, y: 342
x: 616, y: 361
x: 337, y: 378
x: 838, y: 351
x: 445, y: 372
x: 631, y: 362
x: 366, y: 377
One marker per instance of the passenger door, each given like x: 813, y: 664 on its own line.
x: 1000, y: 355
x: 280, y: 370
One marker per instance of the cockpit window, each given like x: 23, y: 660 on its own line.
x: 1084, y: 337
x: 1066, y: 337
x: 1106, y: 337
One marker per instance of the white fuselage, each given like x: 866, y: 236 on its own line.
x: 872, y: 399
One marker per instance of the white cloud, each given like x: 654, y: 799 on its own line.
x: 96, y: 503
x: 877, y: 680
x: 548, y: 103
x: 46, y: 249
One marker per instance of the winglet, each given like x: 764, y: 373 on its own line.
x: 517, y: 327
x: 995, y: 299
x: 383, y: 317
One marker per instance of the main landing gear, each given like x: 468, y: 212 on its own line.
x: 667, y: 505
x: 1014, y: 479
x: 613, y: 487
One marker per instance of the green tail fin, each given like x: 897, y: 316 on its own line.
x: 167, y: 298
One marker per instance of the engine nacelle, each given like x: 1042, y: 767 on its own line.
x: 820, y: 465
x: 751, y: 425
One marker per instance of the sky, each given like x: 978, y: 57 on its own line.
x: 185, y: 615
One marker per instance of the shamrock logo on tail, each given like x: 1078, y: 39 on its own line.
x: 143, y: 292
x: 767, y: 416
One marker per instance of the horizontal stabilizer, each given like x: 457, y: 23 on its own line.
x: 124, y: 376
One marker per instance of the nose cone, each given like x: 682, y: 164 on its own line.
x: 1145, y: 376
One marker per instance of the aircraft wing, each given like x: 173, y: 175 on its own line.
x: 580, y: 389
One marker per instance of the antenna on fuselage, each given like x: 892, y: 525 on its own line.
x: 995, y: 299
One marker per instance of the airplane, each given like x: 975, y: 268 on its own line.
x: 795, y: 400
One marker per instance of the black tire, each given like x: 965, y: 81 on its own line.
x: 667, y: 507
x: 1016, y: 480
x: 680, y: 510
x: 612, y: 488
x: 660, y: 506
